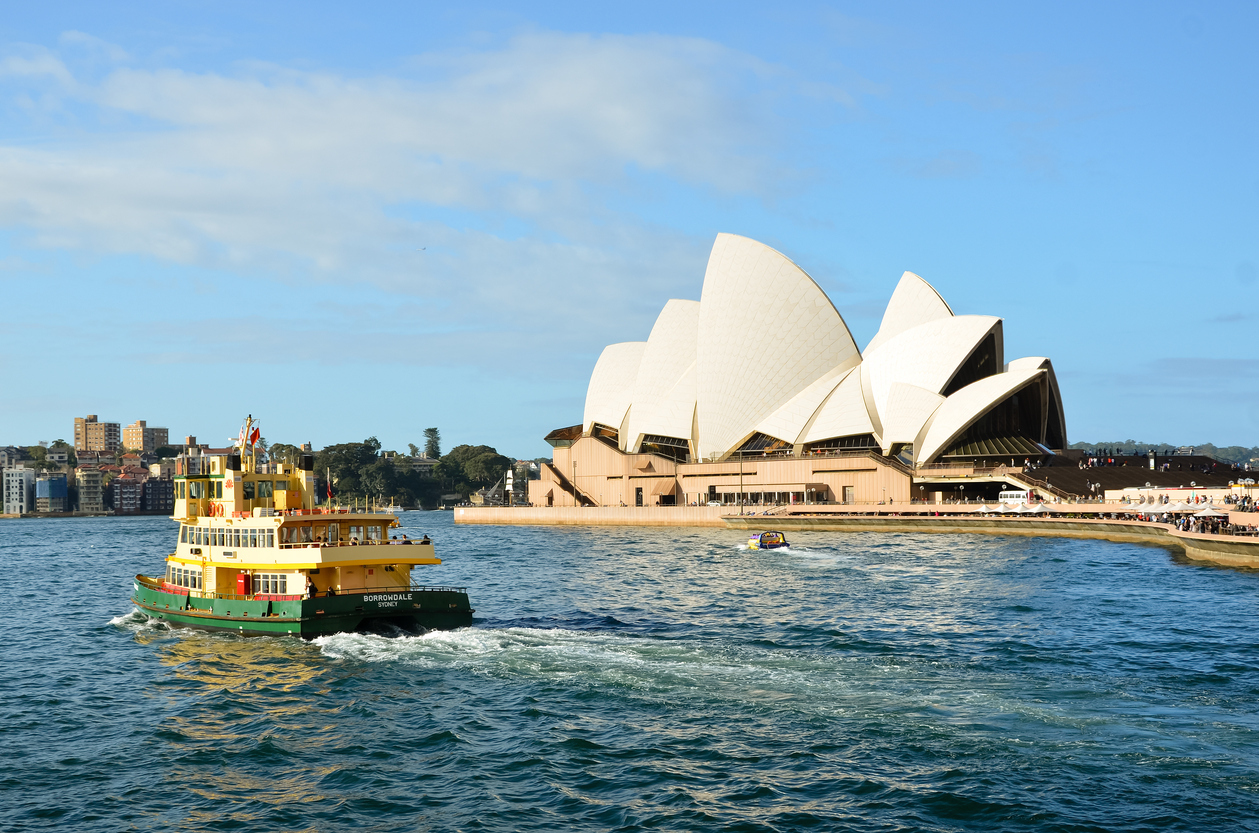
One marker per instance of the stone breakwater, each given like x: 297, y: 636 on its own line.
x: 1233, y: 551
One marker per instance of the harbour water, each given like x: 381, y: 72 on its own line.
x: 631, y: 679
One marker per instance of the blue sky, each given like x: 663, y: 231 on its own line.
x: 371, y: 220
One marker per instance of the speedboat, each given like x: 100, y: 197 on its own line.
x: 767, y: 541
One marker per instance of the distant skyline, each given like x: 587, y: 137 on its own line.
x: 372, y: 220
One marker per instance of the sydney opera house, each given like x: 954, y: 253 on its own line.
x: 757, y: 393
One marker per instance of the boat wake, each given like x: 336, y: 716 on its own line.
x: 633, y: 667
x: 139, y: 622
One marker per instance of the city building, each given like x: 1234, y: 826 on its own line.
x: 140, y: 437
x: 58, y: 454
x: 18, y: 487
x: 92, y: 435
x: 50, y: 492
x: 11, y: 455
x: 757, y: 393
x: 96, y: 458
x: 164, y: 469
x: 158, y: 495
x: 90, y: 483
x: 423, y: 464
x: 124, y: 494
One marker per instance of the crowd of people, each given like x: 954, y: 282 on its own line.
x: 1244, y: 503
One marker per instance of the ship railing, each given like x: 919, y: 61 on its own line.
x: 389, y: 588
x: 301, y: 545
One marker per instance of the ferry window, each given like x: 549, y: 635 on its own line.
x: 247, y: 490
x: 235, y: 538
x: 183, y: 535
x: 374, y: 533
x: 356, y: 533
x: 179, y: 489
x: 218, y: 488
x: 272, y: 584
x: 221, y: 538
x: 253, y: 537
x: 264, y: 488
x: 194, y: 490
x: 305, y: 533
x: 271, y: 538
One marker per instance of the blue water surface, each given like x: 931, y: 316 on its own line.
x: 636, y: 679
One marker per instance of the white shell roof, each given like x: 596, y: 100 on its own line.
x: 664, y: 389
x: 925, y: 356
x: 913, y: 302
x: 764, y: 350
x: 963, y: 408
x: 843, y: 414
x: 789, y: 421
x: 766, y: 332
x: 611, y: 386
x: 909, y: 408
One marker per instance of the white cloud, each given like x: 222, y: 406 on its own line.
x: 318, y: 176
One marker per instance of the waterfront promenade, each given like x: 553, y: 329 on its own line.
x: 1103, y: 521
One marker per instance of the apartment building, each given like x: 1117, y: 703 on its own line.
x: 158, y: 495
x: 138, y: 436
x: 91, y: 488
x: 93, y: 435
x: 18, y: 488
x: 50, y: 492
x: 125, y: 494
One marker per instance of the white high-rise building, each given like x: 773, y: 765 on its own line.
x: 19, y: 490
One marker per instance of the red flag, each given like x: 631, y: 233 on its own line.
x: 329, y: 490
x: 255, y: 436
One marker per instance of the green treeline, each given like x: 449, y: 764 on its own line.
x: 363, y: 471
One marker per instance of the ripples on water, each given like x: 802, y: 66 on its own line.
x: 632, y: 679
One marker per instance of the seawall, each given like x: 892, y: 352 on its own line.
x: 1233, y: 551
x: 592, y: 515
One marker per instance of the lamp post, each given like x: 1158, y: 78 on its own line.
x: 921, y: 497
x: 962, y: 488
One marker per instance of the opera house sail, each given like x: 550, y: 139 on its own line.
x: 759, y: 389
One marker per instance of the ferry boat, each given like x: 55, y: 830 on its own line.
x: 256, y: 555
x: 767, y: 541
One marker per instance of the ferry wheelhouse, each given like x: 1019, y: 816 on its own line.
x: 256, y: 555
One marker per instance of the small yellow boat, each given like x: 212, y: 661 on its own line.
x: 767, y: 541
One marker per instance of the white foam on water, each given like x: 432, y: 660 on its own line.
x: 832, y: 685
x: 636, y: 667
x: 132, y: 617
x: 139, y: 622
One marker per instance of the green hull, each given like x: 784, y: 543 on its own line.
x: 437, y: 608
